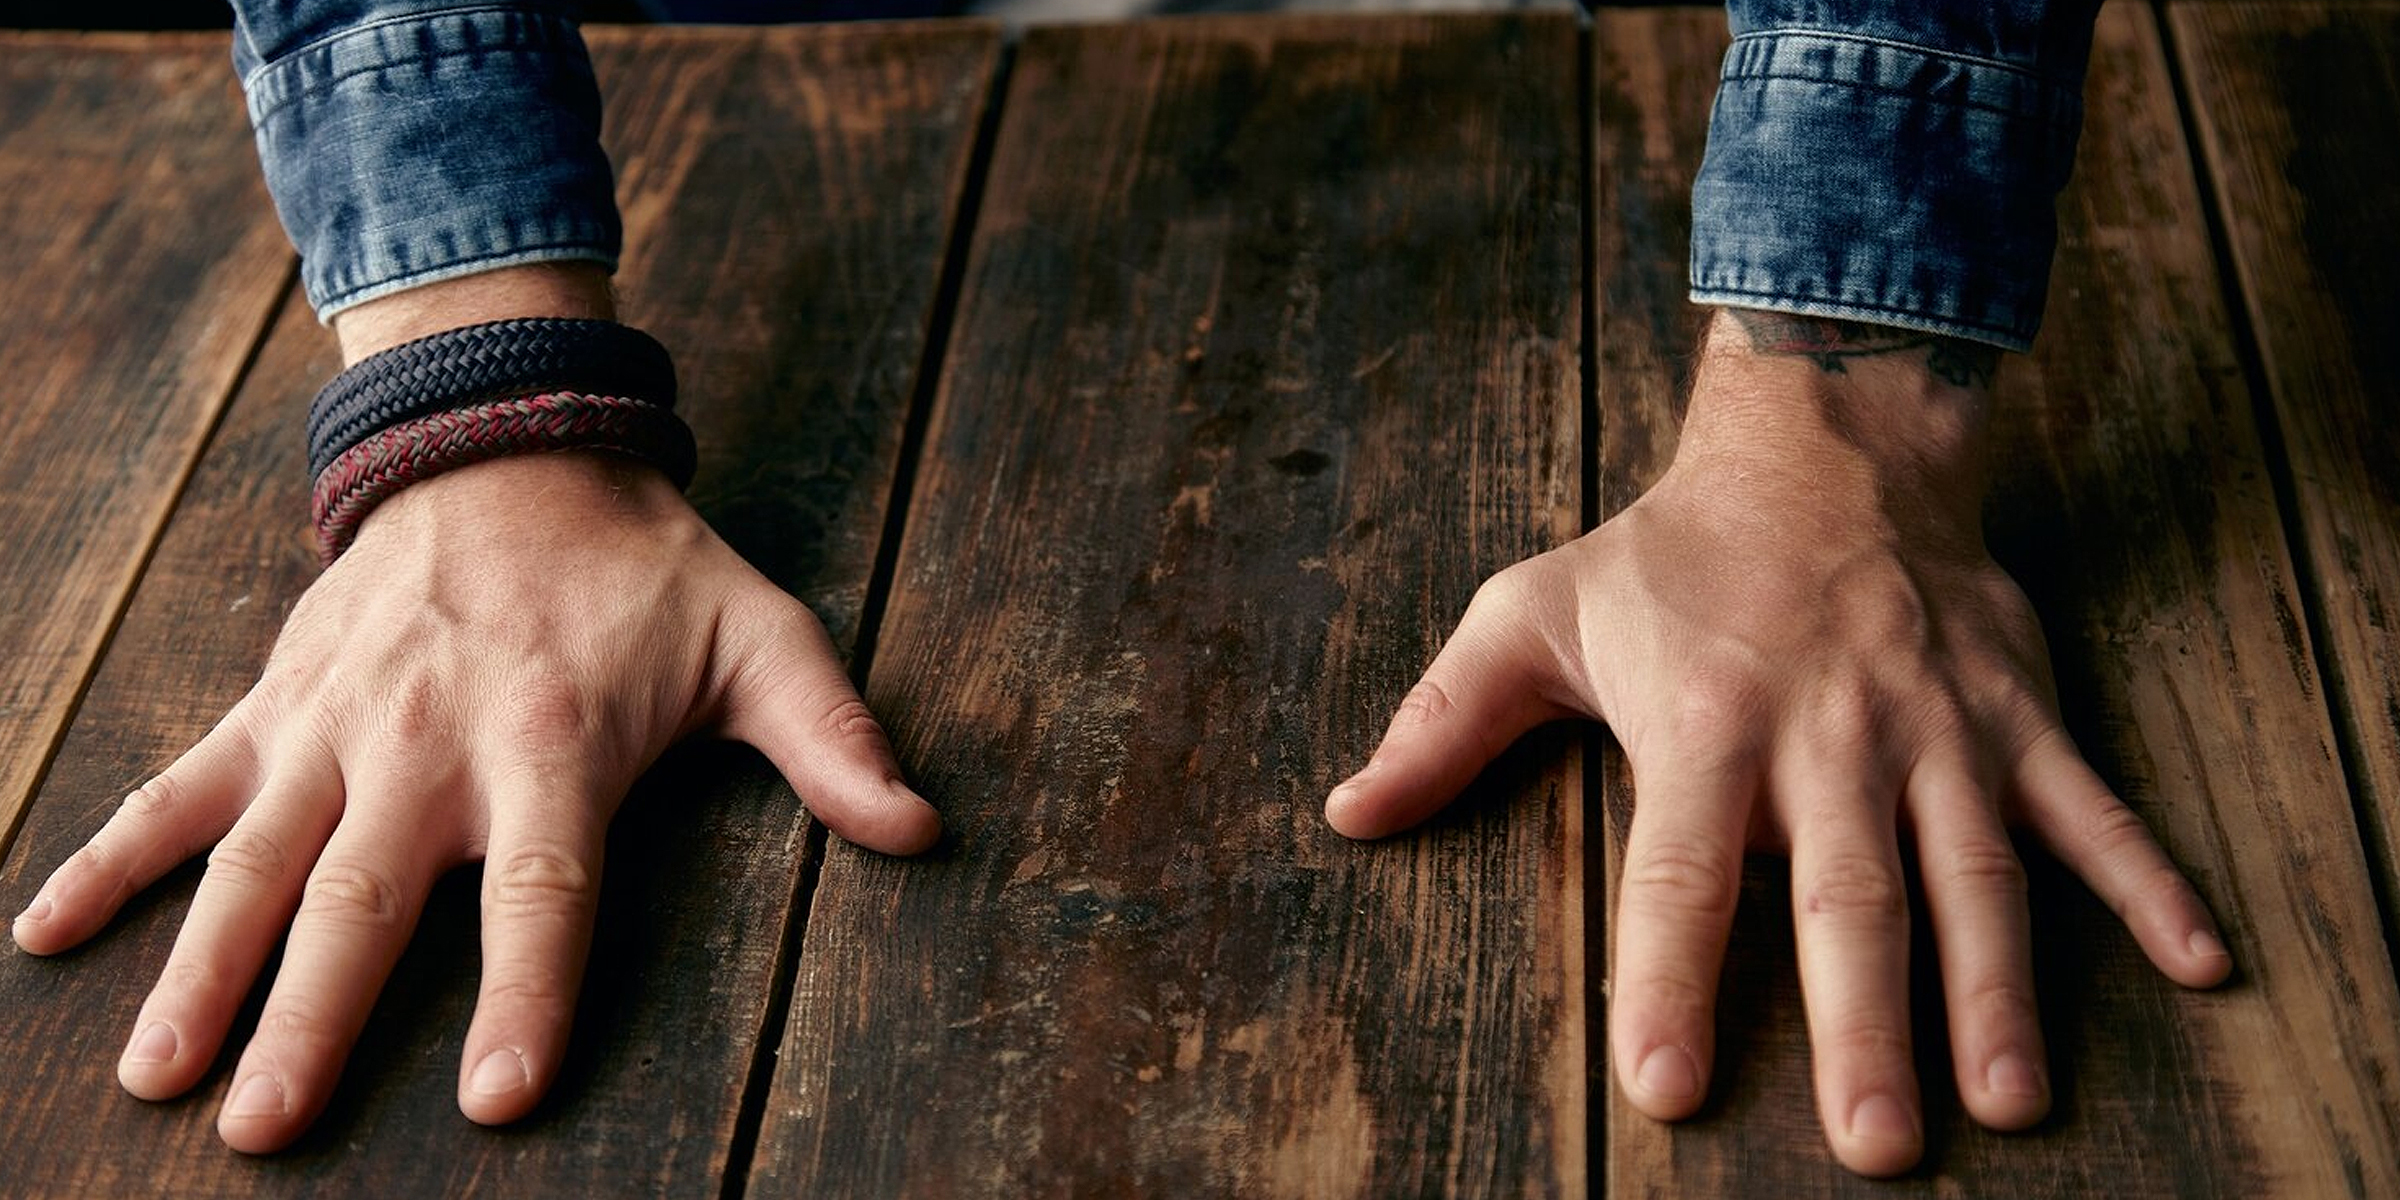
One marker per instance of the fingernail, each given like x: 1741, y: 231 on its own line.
x: 155, y: 1043
x: 36, y: 912
x: 500, y: 1073
x: 2012, y: 1075
x: 257, y: 1096
x: 1669, y: 1074
x: 1882, y: 1119
x: 2204, y: 944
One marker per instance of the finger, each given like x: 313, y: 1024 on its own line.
x: 1975, y: 895
x: 1682, y: 878
x: 541, y: 886
x: 2108, y: 847
x: 791, y: 699
x: 164, y: 822
x: 244, y: 903
x: 1850, y: 910
x: 1484, y: 691
x: 357, y: 909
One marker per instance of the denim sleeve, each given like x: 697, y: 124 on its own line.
x: 408, y: 141
x: 1892, y: 161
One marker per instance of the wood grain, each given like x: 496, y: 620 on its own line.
x: 129, y: 316
x: 2134, y: 504
x: 1267, y: 353
x: 2297, y: 105
x: 788, y: 196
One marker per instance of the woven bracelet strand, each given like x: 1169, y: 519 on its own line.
x: 473, y: 364
x: 383, y: 463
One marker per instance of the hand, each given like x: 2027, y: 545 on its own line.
x: 482, y: 676
x: 1804, y: 648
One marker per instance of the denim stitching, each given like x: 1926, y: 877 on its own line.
x: 549, y: 44
x: 2052, y: 118
x: 1791, y: 31
x: 347, y: 32
x: 1808, y: 295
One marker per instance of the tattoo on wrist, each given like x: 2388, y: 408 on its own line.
x: 1831, y: 344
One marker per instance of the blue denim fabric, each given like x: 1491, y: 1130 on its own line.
x: 407, y: 142
x: 1892, y: 161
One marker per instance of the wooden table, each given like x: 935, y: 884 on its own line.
x: 1140, y: 405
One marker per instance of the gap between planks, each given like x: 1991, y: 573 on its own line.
x: 765, y: 1054
x: 138, y: 563
x: 2347, y: 712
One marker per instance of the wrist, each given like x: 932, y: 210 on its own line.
x: 1859, y: 415
x: 576, y: 290
x: 508, y: 502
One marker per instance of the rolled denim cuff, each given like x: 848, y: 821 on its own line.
x: 1873, y: 180
x: 432, y: 145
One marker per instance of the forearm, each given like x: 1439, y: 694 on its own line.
x: 572, y: 289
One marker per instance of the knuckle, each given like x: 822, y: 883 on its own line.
x: 1847, y: 713
x: 188, y: 977
x: 527, y: 991
x: 547, y: 711
x: 1714, y: 705
x: 1986, y: 865
x: 1671, y: 994
x: 1857, y: 888
x: 1506, y: 591
x: 154, y: 799
x: 537, y: 879
x: 2114, y: 828
x: 1939, y: 716
x: 291, y: 1021
x: 250, y: 858
x: 849, y: 720
x: 1998, y: 1000
x: 95, y: 863
x: 1872, y: 1038
x: 279, y: 686
x: 413, y: 709
x: 1681, y: 877
x: 353, y: 894
x: 2019, y: 709
x: 94, y: 860
x: 1426, y: 703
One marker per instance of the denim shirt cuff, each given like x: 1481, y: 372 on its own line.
x: 1872, y: 180
x: 368, y: 139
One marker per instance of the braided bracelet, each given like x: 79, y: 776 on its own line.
x: 379, y: 465
x: 470, y: 365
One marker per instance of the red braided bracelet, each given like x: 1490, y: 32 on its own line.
x: 379, y: 466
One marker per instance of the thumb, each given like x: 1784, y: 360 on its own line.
x: 1483, y: 691
x: 789, y: 697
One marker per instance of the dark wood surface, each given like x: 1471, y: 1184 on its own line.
x: 1262, y: 342
x: 2296, y: 105
x: 130, y: 314
x: 1237, y: 413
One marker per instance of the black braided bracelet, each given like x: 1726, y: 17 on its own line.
x: 480, y: 363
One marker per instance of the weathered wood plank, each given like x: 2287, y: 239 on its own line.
x: 1267, y: 354
x: 2297, y: 105
x: 788, y: 196
x: 2133, y: 503
x: 129, y: 316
